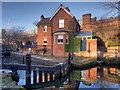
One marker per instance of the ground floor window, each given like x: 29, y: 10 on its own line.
x: 45, y: 41
x: 60, y: 39
x: 66, y: 38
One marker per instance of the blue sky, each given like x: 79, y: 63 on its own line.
x: 25, y: 13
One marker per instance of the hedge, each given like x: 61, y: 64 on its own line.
x: 74, y: 44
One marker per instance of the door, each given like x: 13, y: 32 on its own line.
x: 83, y: 44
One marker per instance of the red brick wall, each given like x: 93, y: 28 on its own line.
x: 62, y: 15
x: 58, y: 49
x: 91, y: 47
x: 109, y: 27
x: 42, y: 34
x: 86, y: 18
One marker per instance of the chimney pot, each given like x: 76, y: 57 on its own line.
x: 67, y: 8
x: 42, y: 16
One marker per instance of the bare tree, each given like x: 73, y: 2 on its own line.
x: 112, y: 7
x: 13, y: 35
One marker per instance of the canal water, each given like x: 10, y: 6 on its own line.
x: 97, y: 77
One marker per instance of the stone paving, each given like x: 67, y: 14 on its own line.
x: 8, y: 83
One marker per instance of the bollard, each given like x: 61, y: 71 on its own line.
x: 28, y: 69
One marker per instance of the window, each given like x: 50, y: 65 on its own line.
x: 66, y: 38
x: 45, y: 41
x: 45, y: 28
x: 60, y: 39
x: 88, y: 37
x: 61, y: 23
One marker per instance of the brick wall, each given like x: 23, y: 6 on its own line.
x: 42, y: 34
x: 59, y: 49
x: 67, y: 18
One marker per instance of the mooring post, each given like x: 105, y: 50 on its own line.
x: 69, y: 64
x: 60, y: 69
x: 28, y: 69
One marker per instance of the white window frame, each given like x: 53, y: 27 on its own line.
x: 45, y: 28
x: 60, y: 39
x: 44, y: 39
x: 61, y: 23
x: 67, y: 39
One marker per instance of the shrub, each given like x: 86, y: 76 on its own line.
x: 74, y: 44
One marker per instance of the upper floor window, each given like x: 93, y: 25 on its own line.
x: 66, y: 38
x: 45, y: 41
x: 61, y: 23
x: 45, y: 28
x: 60, y: 39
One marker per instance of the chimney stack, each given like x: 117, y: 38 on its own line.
x: 86, y: 18
x: 93, y: 19
x: 67, y: 8
x: 42, y: 17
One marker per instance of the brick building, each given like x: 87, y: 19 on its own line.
x: 53, y: 33
x: 106, y: 29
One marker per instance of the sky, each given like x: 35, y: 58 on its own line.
x: 25, y: 13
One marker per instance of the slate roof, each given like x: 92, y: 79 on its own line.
x: 60, y: 31
x: 44, y: 21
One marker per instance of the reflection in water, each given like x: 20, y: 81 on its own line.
x: 98, y: 77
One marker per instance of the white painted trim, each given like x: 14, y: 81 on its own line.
x: 63, y: 9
